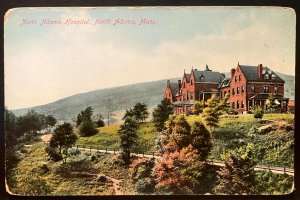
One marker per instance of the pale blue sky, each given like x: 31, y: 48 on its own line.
x: 49, y: 62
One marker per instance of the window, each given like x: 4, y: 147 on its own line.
x: 235, y: 78
x: 237, y: 90
x: 237, y: 105
x: 252, y: 88
x: 184, y: 84
x: 201, y: 78
x: 242, y: 104
x: 191, y: 82
x: 233, y: 91
x: 267, y: 76
x: 273, y: 76
x: 228, y: 91
x: 224, y: 93
x: 243, y: 89
x: 232, y: 105
x: 240, y: 78
x: 266, y: 89
x: 276, y: 89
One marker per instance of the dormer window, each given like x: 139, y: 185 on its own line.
x: 273, y: 76
x: 267, y: 76
x: 202, y: 78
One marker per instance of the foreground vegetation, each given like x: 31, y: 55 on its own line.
x: 184, y: 144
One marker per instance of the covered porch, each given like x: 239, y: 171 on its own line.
x: 261, y: 99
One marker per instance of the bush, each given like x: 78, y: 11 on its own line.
x: 53, y: 154
x: 257, y: 112
x: 145, y: 185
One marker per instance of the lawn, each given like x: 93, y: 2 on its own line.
x: 107, y: 137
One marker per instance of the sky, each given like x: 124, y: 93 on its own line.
x: 44, y: 62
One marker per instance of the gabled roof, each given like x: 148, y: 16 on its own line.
x: 174, y: 88
x: 250, y: 73
x: 209, y: 76
x: 188, y: 77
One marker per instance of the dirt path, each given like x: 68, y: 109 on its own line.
x: 47, y: 137
x: 116, y: 183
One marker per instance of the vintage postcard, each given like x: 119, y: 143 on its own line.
x: 149, y: 100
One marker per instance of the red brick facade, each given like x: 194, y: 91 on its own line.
x: 248, y: 86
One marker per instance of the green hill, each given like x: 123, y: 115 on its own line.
x: 117, y: 99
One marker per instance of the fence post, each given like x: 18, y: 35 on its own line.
x: 143, y: 154
x: 105, y: 150
x: 83, y: 147
x: 90, y: 148
x: 77, y: 146
x: 153, y: 154
x: 284, y: 169
x: 114, y: 151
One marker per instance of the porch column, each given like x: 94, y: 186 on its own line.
x: 248, y: 105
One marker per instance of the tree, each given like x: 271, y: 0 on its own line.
x: 62, y: 139
x: 201, y: 139
x: 257, y: 112
x: 161, y: 114
x: 50, y: 121
x: 29, y: 124
x: 128, y: 137
x: 100, y: 123
x: 238, y: 175
x: 198, y: 107
x: 84, y: 115
x: 87, y: 128
x: 140, y: 111
x: 179, y: 172
x: 214, y: 108
x: 272, y: 107
x: 85, y: 123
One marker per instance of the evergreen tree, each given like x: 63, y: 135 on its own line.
x: 161, y: 114
x: 140, y: 111
x: 85, y: 123
x: 62, y: 139
x: 128, y: 137
x: 87, y: 128
x: 238, y: 176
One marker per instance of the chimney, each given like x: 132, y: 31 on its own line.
x: 232, y: 72
x: 168, y: 83
x: 179, y: 86
x: 259, y: 71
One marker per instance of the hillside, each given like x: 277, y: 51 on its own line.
x: 117, y: 99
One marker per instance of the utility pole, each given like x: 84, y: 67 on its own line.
x: 108, y: 118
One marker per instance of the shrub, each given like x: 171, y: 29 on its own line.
x: 257, y: 112
x: 145, y: 185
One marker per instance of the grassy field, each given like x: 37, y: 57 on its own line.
x: 233, y: 131
x: 107, y: 137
